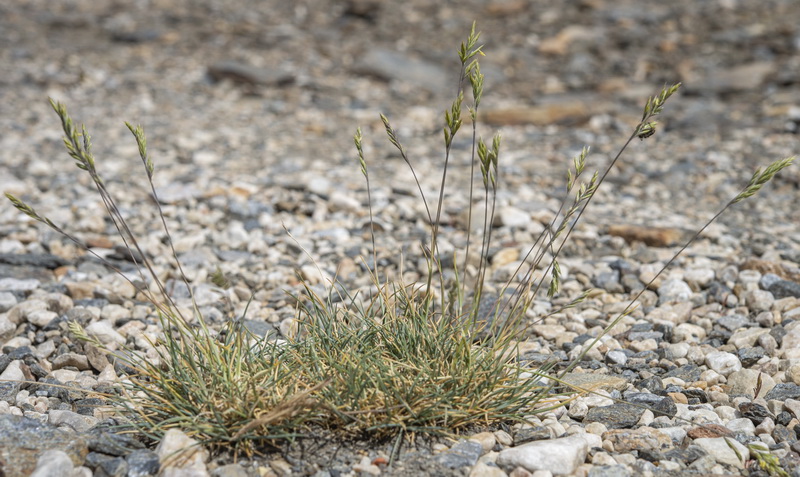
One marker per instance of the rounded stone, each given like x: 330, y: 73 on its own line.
x: 674, y: 290
x: 723, y: 363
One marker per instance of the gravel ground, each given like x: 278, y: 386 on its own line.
x: 250, y: 106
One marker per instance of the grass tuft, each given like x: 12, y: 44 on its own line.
x: 411, y: 358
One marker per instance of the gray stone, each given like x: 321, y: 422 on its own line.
x: 19, y: 285
x: 111, y: 467
x: 37, y: 260
x: 784, y: 288
x: 722, y: 80
x: 9, y: 390
x: 688, y: 373
x: 463, y: 454
x: 594, y: 382
x: 608, y: 281
x: 615, y: 416
x: 25, y: 440
x: 144, y: 462
x: 103, y: 441
x: 750, y: 356
x: 244, y: 73
x: 528, y: 434
x: 75, y: 360
x: 768, y: 279
x: 260, y: 328
x: 659, y: 405
x: 733, y: 322
x: 784, y: 391
x: 391, y: 65
x: 74, y: 420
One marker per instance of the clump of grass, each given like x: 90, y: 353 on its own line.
x: 413, y: 357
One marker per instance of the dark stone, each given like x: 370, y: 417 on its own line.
x: 463, y: 454
x: 22, y: 353
x: 24, y: 440
x: 488, y: 320
x: 105, y: 442
x: 94, y: 459
x: 782, y: 433
x: 750, y: 356
x: 660, y: 405
x: 534, y: 359
x: 111, y: 467
x: 623, y: 266
x: 717, y: 337
x: 24, y: 273
x: 717, y: 341
x: 778, y: 332
x: 252, y: 75
x: 650, y: 455
x: 79, y: 314
x: 40, y: 260
x: 688, y: 455
x: 8, y: 391
x: 652, y: 384
x: 644, y: 335
x: 767, y: 280
x: 5, y: 360
x: 784, y: 418
x: 647, y: 356
x: 87, y: 406
x: 38, y: 371
x: 50, y: 387
x: 688, y: 372
x: 631, y: 283
x: 142, y: 462
x: 718, y: 292
x: 55, y: 323
x: 784, y: 288
x: 641, y: 327
x: 582, y: 338
x: 755, y: 412
x: 784, y: 391
x: 259, y: 328
x: 136, y: 36
x: 615, y: 416
x: 608, y: 281
x: 529, y: 434
x: 698, y: 394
